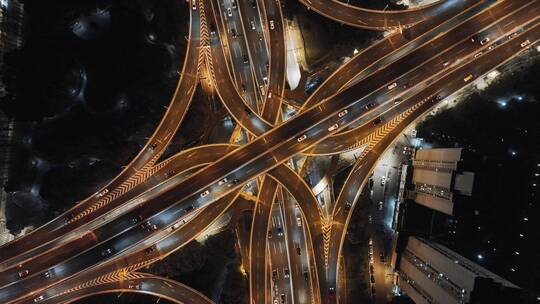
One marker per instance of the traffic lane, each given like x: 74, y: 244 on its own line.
x: 237, y: 50
x: 310, y: 209
x: 62, y: 251
x: 141, y: 258
x: 258, y: 239
x: 255, y: 42
x: 299, y: 264
x: 381, y: 48
x: 276, y: 61
x: 170, y: 121
x: 142, y: 283
x: 279, y: 254
x: 233, y: 102
x: 375, y: 19
x: 451, y: 82
x: 349, y: 139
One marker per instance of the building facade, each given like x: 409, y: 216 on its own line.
x: 431, y: 273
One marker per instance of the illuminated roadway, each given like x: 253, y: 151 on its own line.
x: 265, y: 154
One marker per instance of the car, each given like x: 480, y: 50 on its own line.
x: 23, y: 273
x: 153, y: 146
x: 137, y: 219
x: 478, y: 54
x: 39, y: 299
x: 189, y: 209
x: 261, y: 87
x: 170, y: 173
x: 369, y: 106
x: 298, y: 251
x: 286, y: 273
x: 331, y: 291
x: 272, y: 24
x: 194, y: 5
x: 274, y: 275
x: 333, y: 127
x: 398, y: 101
x: 47, y: 274
x: 301, y: 138
x: 234, y: 182
x: 407, y: 85
x: 260, y: 36
x: 491, y: 47
x: 306, y: 275
x: 342, y: 113
x: 134, y: 286
x: 246, y: 59
x: 283, y: 298
x: 229, y: 12
x: 514, y: 34
x: 223, y: 181
x: 252, y: 22
x: 102, y: 193
x: 298, y: 221
x: 106, y: 252
x: 370, y: 219
x: 383, y: 180
x: 149, y: 250
x: 525, y: 43
x: 205, y: 193
x: 253, y: 3
x: 468, y: 78
x: 149, y: 226
x: 243, y: 88
x: 269, y: 234
x: 446, y: 63
x: 393, y: 85
x: 248, y: 111
x: 377, y: 121
x: 279, y: 231
x: 437, y: 97
x: 233, y: 33
x: 233, y: 3
x: 484, y: 41
x: 347, y: 207
x: 265, y: 80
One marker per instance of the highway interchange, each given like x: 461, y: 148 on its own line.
x: 152, y: 208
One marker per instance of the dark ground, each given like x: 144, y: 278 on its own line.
x: 85, y: 101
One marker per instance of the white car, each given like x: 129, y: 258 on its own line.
x: 205, y: 193
x: 194, y: 5
x: 252, y: 22
x: 342, y: 113
x: 393, y: 85
x: 265, y: 80
x: 484, y: 41
x: 223, y: 181
x: 298, y: 221
x: 381, y: 205
x: 301, y: 138
x: 333, y: 127
x: 39, y: 299
x: 383, y: 180
x: 446, y: 63
x: 272, y: 24
x: 525, y: 43
x: 102, y: 193
x: 477, y: 54
x: 229, y: 12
